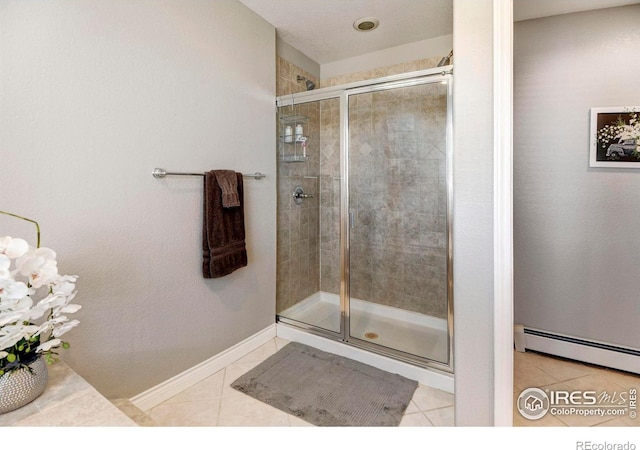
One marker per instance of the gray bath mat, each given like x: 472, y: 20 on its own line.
x: 328, y: 390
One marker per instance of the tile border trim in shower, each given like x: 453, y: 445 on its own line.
x: 167, y: 389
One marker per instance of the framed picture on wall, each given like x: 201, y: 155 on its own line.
x: 615, y: 137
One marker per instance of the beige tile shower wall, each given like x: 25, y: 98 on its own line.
x: 298, y: 261
x: 397, y: 182
x: 286, y: 78
x: 398, y: 194
x: 398, y: 247
x: 330, y: 270
x: 411, y: 66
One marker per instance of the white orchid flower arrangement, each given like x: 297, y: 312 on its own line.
x: 34, y: 303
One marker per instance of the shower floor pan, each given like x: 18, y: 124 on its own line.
x: 398, y: 329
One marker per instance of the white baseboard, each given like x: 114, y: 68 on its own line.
x: 167, y: 389
x: 430, y: 378
x: 602, y: 354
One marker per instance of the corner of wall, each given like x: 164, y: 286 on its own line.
x: 297, y: 58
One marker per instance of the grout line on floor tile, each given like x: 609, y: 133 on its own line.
x: 224, y: 383
x: 427, y: 417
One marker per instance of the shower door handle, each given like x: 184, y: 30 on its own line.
x: 352, y: 220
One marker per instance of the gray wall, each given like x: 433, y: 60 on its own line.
x: 297, y: 58
x: 94, y: 95
x: 473, y: 211
x: 577, y: 252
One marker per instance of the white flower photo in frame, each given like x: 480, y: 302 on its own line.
x: 614, y: 139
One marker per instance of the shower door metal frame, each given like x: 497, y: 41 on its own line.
x: 343, y: 92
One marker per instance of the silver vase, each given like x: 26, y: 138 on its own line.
x: 19, y: 387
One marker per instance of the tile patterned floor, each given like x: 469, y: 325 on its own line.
x: 548, y: 372
x: 212, y: 402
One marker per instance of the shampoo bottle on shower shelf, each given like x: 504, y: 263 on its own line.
x: 299, y: 132
x: 288, y: 134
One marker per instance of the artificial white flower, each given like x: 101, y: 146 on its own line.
x: 11, y: 317
x: 62, y: 329
x: 34, y: 302
x: 9, y: 341
x: 48, y: 345
x: 5, y: 264
x: 52, y: 301
x: 10, y: 335
x: 10, y: 289
x: 36, y: 312
x: 39, y: 265
x: 13, y: 248
x: 70, y: 309
x: 64, y: 284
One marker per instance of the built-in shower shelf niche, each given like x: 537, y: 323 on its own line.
x: 294, y: 144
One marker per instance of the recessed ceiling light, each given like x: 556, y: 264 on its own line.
x: 366, y: 24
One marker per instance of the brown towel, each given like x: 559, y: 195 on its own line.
x: 227, y: 180
x: 223, y: 245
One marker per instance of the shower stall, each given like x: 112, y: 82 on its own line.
x: 364, y: 215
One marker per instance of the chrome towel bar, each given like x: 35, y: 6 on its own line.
x: 161, y: 173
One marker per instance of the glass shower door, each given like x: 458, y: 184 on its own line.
x: 308, y: 265
x: 398, y: 218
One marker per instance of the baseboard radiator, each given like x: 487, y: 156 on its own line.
x: 580, y: 349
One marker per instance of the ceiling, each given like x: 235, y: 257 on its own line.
x: 323, y: 29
